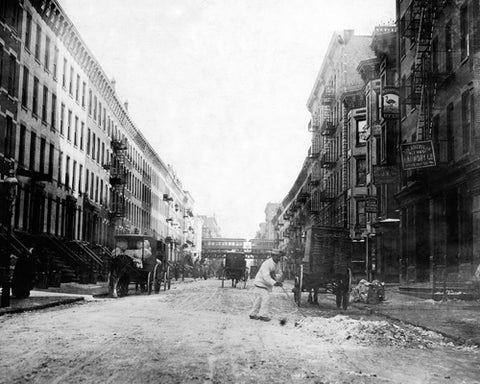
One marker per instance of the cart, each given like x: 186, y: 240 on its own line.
x: 339, y: 284
x: 136, y: 259
x: 331, y: 272
x: 235, y: 269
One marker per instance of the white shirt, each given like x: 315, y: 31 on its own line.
x: 263, y: 278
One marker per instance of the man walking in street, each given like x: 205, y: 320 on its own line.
x: 268, y: 275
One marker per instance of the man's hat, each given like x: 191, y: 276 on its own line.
x: 275, y: 252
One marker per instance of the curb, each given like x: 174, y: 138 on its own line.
x: 8, y: 311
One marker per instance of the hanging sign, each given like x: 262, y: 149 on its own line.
x: 419, y: 154
x: 385, y: 174
x: 390, y: 103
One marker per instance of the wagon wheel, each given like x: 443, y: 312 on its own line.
x: 157, y: 279
x: 347, y: 288
x: 149, y: 282
x: 166, y: 278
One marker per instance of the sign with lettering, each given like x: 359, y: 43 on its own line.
x: 385, y: 174
x: 390, y: 103
x: 419, y: 154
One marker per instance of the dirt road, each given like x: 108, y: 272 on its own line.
x: 201, y: 333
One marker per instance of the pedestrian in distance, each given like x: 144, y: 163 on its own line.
x: 268, y: 276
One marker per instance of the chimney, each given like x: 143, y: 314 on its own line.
x: 125, y: 104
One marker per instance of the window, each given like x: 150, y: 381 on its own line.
x: 37, y: 42
x: 103, y: 154
x: 466, y: 121
x: 96, y: 189
x: 87, y: 174
x: 64, y: 75
x: 361, y: 172
x: 361, y: 131
x: 12, y: 75
x: 70, y: 83
x: 67, y: 172
x: 448, y: 48
x: 21, y: 147
x: 47, y: 53
x: 28, y: 31
x: 98, y: 149
x: 361, y: 216
x: 69, y: 125
x: 464, y: 33
x: 62, y: 118
x: 89, y: 101
x: 82, y: 128
x: 33, y: 148
x: 25, y: 86
x: 54, y: 111
x: 75, y: 132
x: 35, y: 96
x: 84, y: 88
x: 94, y: 107
x: 93, y: 146
x: 450, y: 136
x: 88, y: 142
x: 55, y: 64
x: 51, y: 154
x: 80, y: 173
x: 44, y: 103
x: 77, y: 89
x: 43, y: 147
x: 74, y: 174
x: 9, y: 143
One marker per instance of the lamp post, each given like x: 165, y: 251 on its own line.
x: 10, y: 183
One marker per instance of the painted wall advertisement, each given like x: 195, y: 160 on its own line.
x: 419, y: 154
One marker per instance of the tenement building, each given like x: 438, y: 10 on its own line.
x: 326, y: 206
x: 85, y: 171
x: 439, y: 47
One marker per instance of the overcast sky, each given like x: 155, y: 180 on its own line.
x: 219, y: 87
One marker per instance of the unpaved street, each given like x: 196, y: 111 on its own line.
x: 200, y: 333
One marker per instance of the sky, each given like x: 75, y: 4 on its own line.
x: 219, y: 87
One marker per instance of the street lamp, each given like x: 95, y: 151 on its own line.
x: 10, y: 187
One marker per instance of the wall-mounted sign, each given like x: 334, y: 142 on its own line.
x: 385, y: 174
x: 390, y: 103
x: 419, y: 154
x: 371, y: 204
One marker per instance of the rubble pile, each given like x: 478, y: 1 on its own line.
x: 342, y: 329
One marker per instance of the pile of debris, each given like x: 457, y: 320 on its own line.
x: 368, y: 293
x: 342, y: 329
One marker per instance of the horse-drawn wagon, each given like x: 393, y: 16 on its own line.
x: 235, y: 269
x: 329, y: 268
x: 137, y: 259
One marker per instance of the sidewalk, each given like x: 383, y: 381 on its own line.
x: 456, y: 319
x: 67, y: 293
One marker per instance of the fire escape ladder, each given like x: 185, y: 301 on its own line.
x: 423, y: 84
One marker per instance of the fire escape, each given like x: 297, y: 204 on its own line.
x: 118, y: 181
x: 420, y: 21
